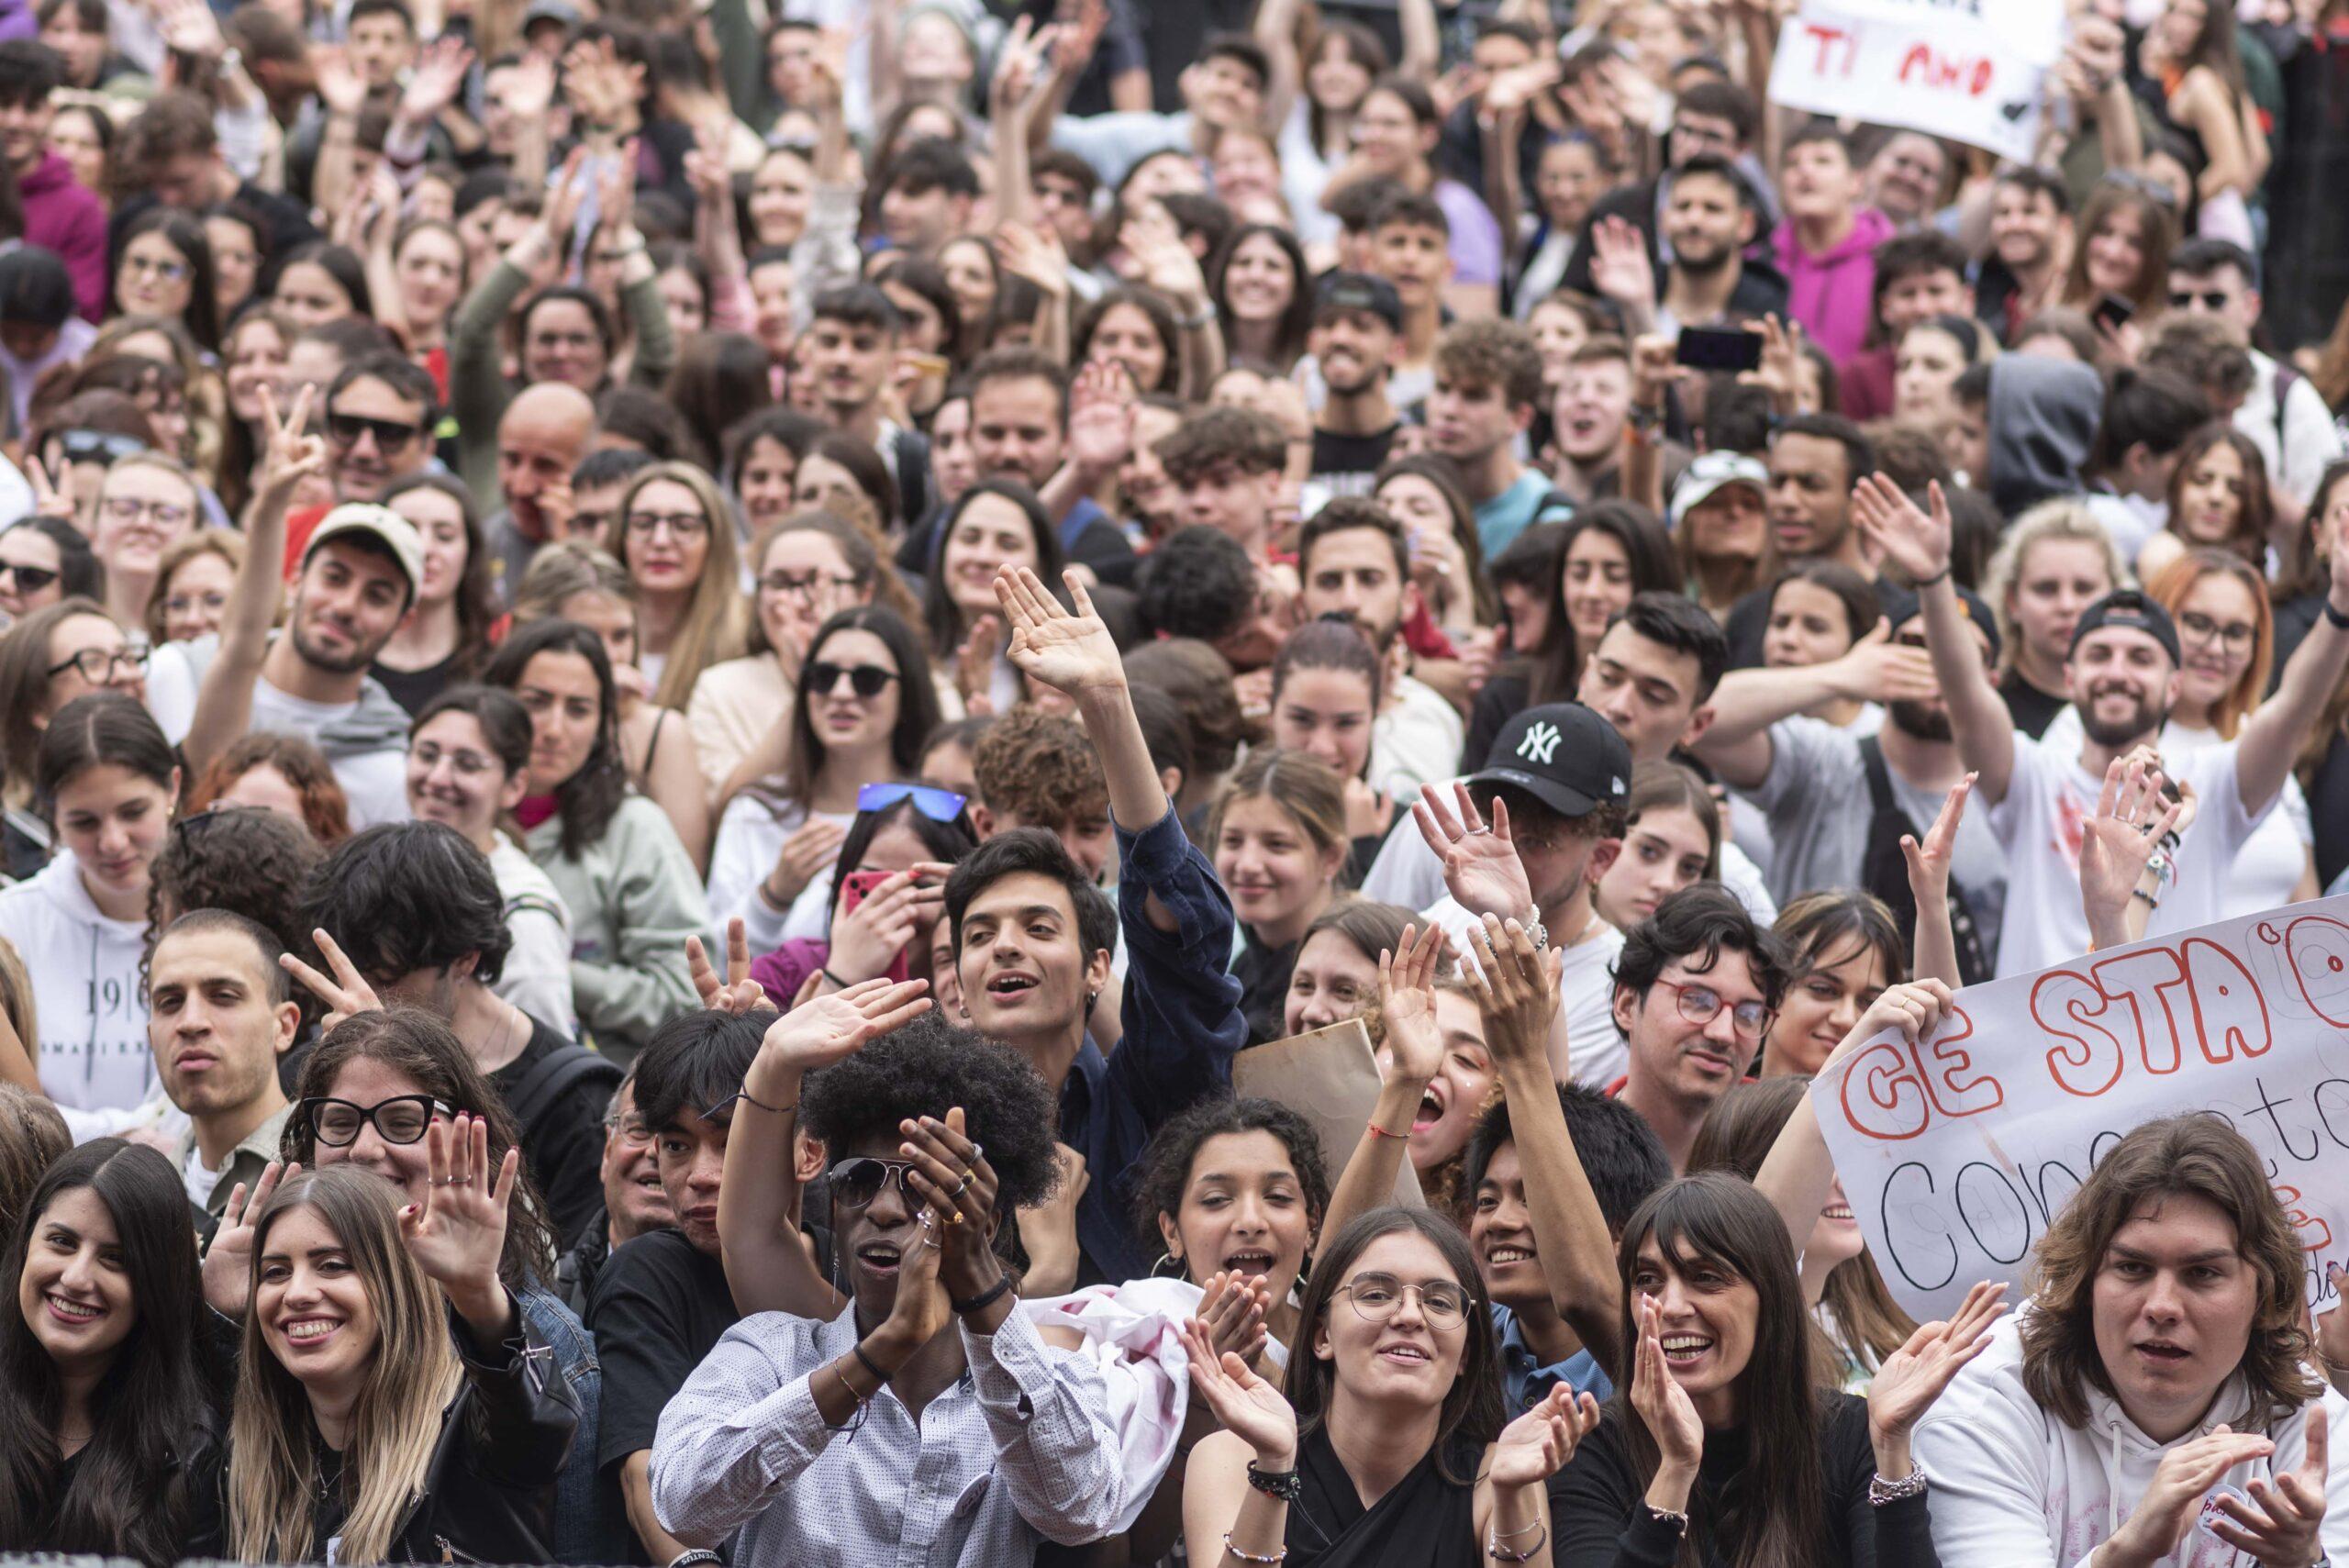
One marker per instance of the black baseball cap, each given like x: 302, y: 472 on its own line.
x: 1358, y: 291
x: 2127, y: 606
x: 1564, y: 756
x: 1903, y: 606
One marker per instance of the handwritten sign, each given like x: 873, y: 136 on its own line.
x: 1968, y: 70
x: 1958, y: 1150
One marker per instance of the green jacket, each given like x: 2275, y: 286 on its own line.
x: 634, y: 898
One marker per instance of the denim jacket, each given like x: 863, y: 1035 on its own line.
x: 586, y: 1521
x: 1183, y: 1027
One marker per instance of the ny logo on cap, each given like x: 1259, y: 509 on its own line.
x: 1541, y: 742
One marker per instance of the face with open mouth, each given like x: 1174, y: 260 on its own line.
x: 633, y: 1195
x: 1447, y: 1112
x: 2172, y: 1303
x: 1023, y: 970
x: 314, y: 1313
x: 74, y: 1291
x: 1244, y: 1209
x: 1410, y: 1354
x: 1708, y: 1320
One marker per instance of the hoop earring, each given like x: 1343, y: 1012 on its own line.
x: 1166, y: 1260
x: 1304, y: 1272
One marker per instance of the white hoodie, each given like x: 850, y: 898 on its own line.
x: 94, y: 1054
x: 2014, y: 1488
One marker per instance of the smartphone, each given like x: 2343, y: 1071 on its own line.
x: 1719, y: 349
x: 2113, y: 311
x: 855, y: 888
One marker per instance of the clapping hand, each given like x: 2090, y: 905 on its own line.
x: 1913, y: 1376
x: 456, y: 1232
x: 1406, y: 1007
x: 1480, y: 864
x: 2168, y: 1508
x: 2282, y: 1521
x: 1537, y: 1445
x: 345, y: 994
x: 736, y: 993
x: 1516, y: 987
x: 1671, y: 1416
x: 1247, y: 1407
x: 228, y: 1262
x: 951, y: 1175
x: 1233, y: 1307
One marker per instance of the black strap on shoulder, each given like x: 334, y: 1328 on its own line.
x: 555, y: 1074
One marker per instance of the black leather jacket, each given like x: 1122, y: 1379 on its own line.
x: 489, y: 1491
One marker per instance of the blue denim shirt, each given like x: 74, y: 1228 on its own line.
x: 1526, y: 1382
x: 585, y: 1521
x: 1183, y: 1027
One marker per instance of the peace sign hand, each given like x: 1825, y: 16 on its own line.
x: 293, y: 453
x: 345, y: 994
x: 457, y: 1234
x: 50, y: 498
x: 736, y: 993
x: 228, y: 1262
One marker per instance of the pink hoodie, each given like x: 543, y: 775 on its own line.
x: 1834, y: 295
x: 61, y: 216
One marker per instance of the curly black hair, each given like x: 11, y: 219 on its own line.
x: 926, y: 1068
x: 1167, y: 1163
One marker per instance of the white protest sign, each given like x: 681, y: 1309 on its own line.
x: 1957, y: 1151
x: 1968, y: 70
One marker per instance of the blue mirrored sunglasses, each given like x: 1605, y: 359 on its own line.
x: 938, y: 805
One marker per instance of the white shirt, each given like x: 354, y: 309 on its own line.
x: 1596, y: 1051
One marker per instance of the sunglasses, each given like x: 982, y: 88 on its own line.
x: 856, y: 1182
x: 391, y: 435
x: 2186, y: 299
x: 938, y: 805
x: 98, y: 445
x: 28, y: 579
x: 865, y: 680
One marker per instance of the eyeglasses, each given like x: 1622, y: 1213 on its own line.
x: 806, y: 585
x: 150, y: 267
x: 468, y: 765
x: 856, y: 1182
x: 2209, y: 299
x: 1699, y: 1003
x: 1376, y: 1298
x: 633, y: 1133
x: 391, y: 435
x: 129, y: 510
x: 681, y: 525
x: 28, y: 579
x: 400, y: 1119
x: 100, y: 664
x: 865, y: 680
x: 180, y: 604
x: 2199, y: 628
x: 938, y: 805
x: 98, y: 445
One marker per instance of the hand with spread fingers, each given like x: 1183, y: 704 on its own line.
x: 2168, y: 1509
x: 951, y: 1175
x: 456, y: 1232
x: 1245, y: 1405
x: 1913, y: 1376
x: 1516, y: 987
x: 1480, y: 864
x: 1537, y: 1445
x: 345, y: 994
x: 2281, y: 1522
x: 1070, y: 650
x: 228, y: 1262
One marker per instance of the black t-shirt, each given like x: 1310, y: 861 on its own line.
x: 1347, y: 464
x: 413, y: 689
x: 565, y: 1142
x: 2033, y: 710
x: 659, y: 1306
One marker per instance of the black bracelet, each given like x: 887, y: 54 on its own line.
x: 2339, y: 622
x: 1286, y: 1485
x: 833, y: 978
x: 985, y: 1299
x: 1924, y: 583
x: 865, y: 1362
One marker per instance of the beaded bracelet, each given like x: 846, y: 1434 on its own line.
x: 1493, y: 1547
x: 1279, y: 1556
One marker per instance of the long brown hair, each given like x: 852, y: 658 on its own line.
x: 717, y: 619
x: 2258, y: 519
x: 2193, y: 1155
x: 396, y: 1422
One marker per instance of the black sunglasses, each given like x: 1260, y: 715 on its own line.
x: 391, y: 435
x: 857, y: 1182
x: 28, y: 579
x: 865, y: 680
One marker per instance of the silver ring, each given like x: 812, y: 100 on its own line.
x: 961, y: 1187
x: 1474, y: 831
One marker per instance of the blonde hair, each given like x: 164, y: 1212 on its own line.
x: 1307, y: 789
x: 567, y: 567
x: 228, y: 547
x: 717, y: 622
x: 396, y: 1422
x: 2058, y: 519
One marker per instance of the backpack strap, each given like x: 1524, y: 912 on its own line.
x: 555, y: 1074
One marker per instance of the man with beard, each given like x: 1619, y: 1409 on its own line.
x: 2122, y: 677
x: 1709, y: 220
x: 1353, y: 560
x: 1820, y: 785
x: 2030, y: 240
x: 1356, y: 321
x: 851, y: 346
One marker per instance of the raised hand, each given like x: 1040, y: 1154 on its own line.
x: 1069, y: 651
x: 339, y: 85
x: 951, y: 1174
x: 1245, y: 1405
x: 1480, y: 864
x: 345, y: 994
x: 2282, y: 1521
x: 1407, y: 1005
x: 2131, y: 817
x: 1153, y: 240
x: 1913, y: 1376
x: 1671, y: 1416
x: 1619, y: 265
x: 228, y: 1262
x: 1100, y: 416
x: 1915, y: 1007
x: 189, y: 27
x: 433, y: 85
x: 1876, y: 669
x: 529, y: 86
x: 920, y: 1309
x: 1516, y: 987
x: 1929, y: 863
x: 867, y: 939
x: 1537, y: 1445
x: 975, y: 664
x: 293, y: 453
x: 1916, y: 543
x: 735, y: 992
x: 830, y: 1028
x: 2172, y: 1503
x: 50, y: 498
x: 457, y: 1233
x: 616, y: 189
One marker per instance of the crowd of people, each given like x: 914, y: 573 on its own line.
x: 678, y: 683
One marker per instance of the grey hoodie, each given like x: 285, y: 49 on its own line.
x: 2042, y: 419
x: 366, y: 744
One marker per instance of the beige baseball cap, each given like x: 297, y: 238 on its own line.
x: 396, y: 532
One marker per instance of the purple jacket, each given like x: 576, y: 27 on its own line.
x: 1833, y: 294
x: 59, y: 216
